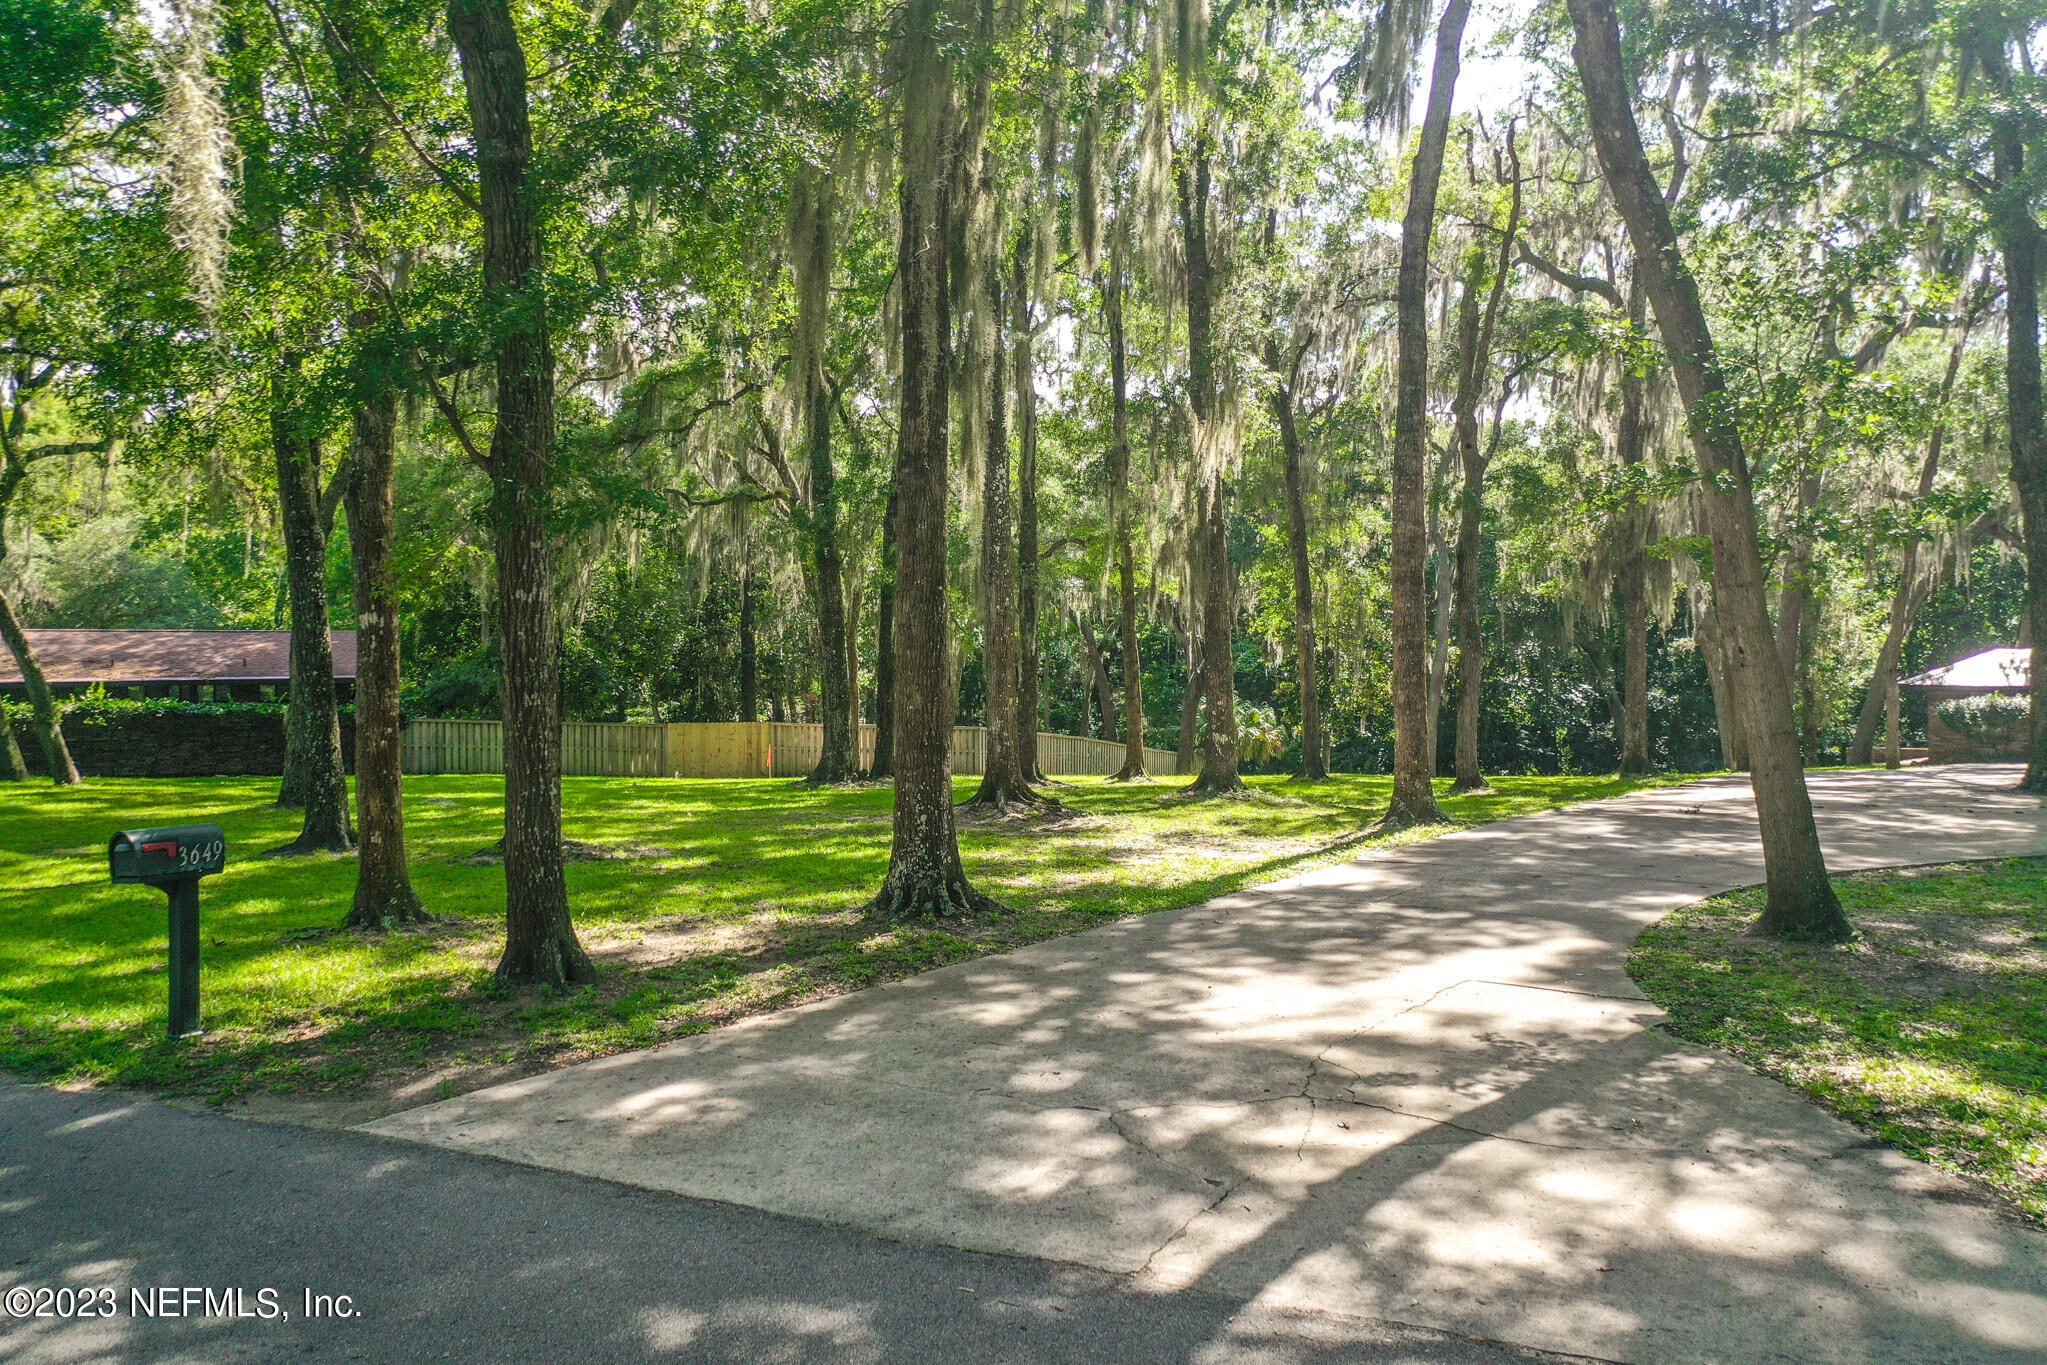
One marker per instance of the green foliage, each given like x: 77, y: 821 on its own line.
x: 59, y: 63
x: 95, y: 707
x: 1988, y: 715
x: 99, y: 577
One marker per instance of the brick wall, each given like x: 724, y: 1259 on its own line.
x: 1946, y: 744
x: 171, y: 741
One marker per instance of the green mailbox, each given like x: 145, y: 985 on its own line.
x: 172, y: 858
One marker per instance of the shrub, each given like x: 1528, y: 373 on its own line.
x: 1987, y: 715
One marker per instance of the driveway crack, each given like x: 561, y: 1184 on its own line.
x: 1181, y: 1231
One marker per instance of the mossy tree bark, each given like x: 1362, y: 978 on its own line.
x: 384, y: 895
x: 884, y: 765
x: 1444, y: 587
x: 315, y: 778
x: 2021, y: 242
x: 1024, y: 374
x: 818, y: 521
x: 12, y: 766
x: 1029, y: 595
x: 383, y: 881
x: 16, y: 458
x: 42, y: 702
x: 1294, y: 458
x: 1111, y: 289
x: 1414, y: 796
x: 925, y: 878
x: 1211, y: 531
x: 1794, y: 600
x: 749, y: 638
x: 540, y: 939
x: 1726, y: 714
x: 1098, y: 675
x: 1800, y: 898
x: 1004, y: 782
x: 1475, y: 331
x: 1634, y: 575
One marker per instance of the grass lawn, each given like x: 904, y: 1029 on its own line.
x: 1929, y: 1030
x: 713, y: 900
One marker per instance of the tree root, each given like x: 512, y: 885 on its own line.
x: 400, y: 909
x: 926, y: 903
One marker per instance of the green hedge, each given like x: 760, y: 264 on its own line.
x: 1987, y: 715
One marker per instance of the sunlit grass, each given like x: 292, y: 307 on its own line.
x: 742, y: 896
x: 1929, y: 1030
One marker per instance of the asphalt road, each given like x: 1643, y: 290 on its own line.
x: 444, y: 1256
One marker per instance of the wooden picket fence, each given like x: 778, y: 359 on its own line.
x: 735, y: 749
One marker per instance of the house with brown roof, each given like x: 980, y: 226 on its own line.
x: 190, y: 665
x: 1976, y: 708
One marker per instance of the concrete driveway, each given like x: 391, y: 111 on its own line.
x: 1417, y: 1087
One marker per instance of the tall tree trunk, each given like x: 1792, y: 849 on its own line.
x: 749, y: 641
x: 47, y: 719
x: 1028, y: 596
x: 1906, y: 600
x: 885, y: 649
x: 1119, y: 510
x: 2020, y: 240
x: 1712, y: 643
x: 1726, y: 720
x: 1794, y: 602
x: 1444, y: 616
x: 314, y: 775
x: 1800, y: 898
x: 838, y: 755
x: 383, y: 883
x: 1634, y: 576
x: 1098, y: 676
x: 1893, y: 754
x: 853, y: 585
x: 1883, y: 680
x: 42, y: 702
x: 1414, y: 795
x: 1470, y: 645
x: 540, y: 939
x: 925, y: 879
x: 1190, y: 695
x: 1596, y: 659
x: 1003, y: 781
x: 1212, y: 525
x: 12, y: 766
x: 818, y: 528
x: 1475, y: 351
x: 1312, y: 768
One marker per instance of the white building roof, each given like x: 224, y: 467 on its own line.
x: 1993, y: 668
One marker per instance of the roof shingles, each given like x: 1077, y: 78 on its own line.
x: 77, y: 657
x: 1993, y: 669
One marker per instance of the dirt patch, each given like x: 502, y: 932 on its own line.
x: 680, y: 938
x: 437, y: 926
x: 573, y: 851
x: 1250, y: 796
x: 1049, y: 818
x: 1932, y: 956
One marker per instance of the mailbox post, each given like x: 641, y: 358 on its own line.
x: 172, y: 858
